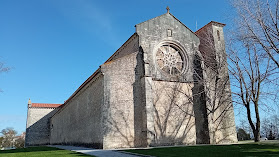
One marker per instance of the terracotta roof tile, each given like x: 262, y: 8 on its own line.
x: 42, y: 105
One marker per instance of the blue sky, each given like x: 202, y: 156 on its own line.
x: 53, y: 46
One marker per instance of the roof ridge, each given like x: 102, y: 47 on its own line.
x: 183, y: 24
x: 45, y: 105
x: 173, y: 17
x: 211, y: 22
x: 151, y: 19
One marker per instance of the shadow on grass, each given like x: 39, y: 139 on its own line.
x: 80, y: 154
x: 237, y: 150
x: 41, y: 150
x: 29, y: 149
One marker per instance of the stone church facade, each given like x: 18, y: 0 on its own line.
x: 166, y: 85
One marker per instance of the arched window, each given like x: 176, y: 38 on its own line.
x: 218, y: 35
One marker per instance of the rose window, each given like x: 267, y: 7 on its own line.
x: 169, y: 59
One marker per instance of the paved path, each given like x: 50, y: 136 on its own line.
x: 95, y: 152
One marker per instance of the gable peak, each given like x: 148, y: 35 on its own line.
x: 168, y: 9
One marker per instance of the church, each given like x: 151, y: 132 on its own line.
x: 166, y: 85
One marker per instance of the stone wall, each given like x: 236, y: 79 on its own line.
x: 37, y: 128
x: 217, y: 85
x: 131, y: 102
x: 79, y: 122
x: 166, y: 28
x: 102, y: 113
x: 153, y: 33
x: 130, y: 46
x: 227, y: 129
x: 122, y: 97
x: 174, y: 120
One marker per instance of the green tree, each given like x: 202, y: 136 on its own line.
x: 242, y: 135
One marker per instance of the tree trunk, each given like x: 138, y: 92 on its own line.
x: 256, y: 135
x: 257, y: 131
x: 255, y: 128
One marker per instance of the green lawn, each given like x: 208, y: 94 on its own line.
x: 262, y: 149
x: 40, y: 152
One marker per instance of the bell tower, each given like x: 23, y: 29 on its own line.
x: 219, y: 107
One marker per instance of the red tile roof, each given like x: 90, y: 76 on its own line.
x: 42, y: 105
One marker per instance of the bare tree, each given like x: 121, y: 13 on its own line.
x: 257, y: 21
x: 3, y: 68
x: 9, y: 135
x: 265, y: 128
x: 244, y: 124
x: 1, y: 142
x: 275, y: 122
x: 251, y: 74
x: 270, y: 126
x: 254, y: 57
x: 242, y: 135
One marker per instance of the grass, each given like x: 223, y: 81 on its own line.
x: 261, y: 149
x: 40, y: 152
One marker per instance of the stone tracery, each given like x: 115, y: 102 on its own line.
x: 169, y: 59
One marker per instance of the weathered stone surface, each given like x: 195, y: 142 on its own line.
x: 153, y: 32
x: 37, y: 126
x: 80, y: 121
x: 219, y: 105
x: 157, y: 89
x: 119, y: 79
x: 174, y: 119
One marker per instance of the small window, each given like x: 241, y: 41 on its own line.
x: 218, y: 35
x: 169, y: 33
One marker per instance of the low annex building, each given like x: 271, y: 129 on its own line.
x: 37, y: 126
x: 166, y: 85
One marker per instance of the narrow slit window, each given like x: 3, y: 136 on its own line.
x: 218, y: 35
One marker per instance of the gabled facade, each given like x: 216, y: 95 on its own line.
x: 156, y: 89
x: 37, y: 124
